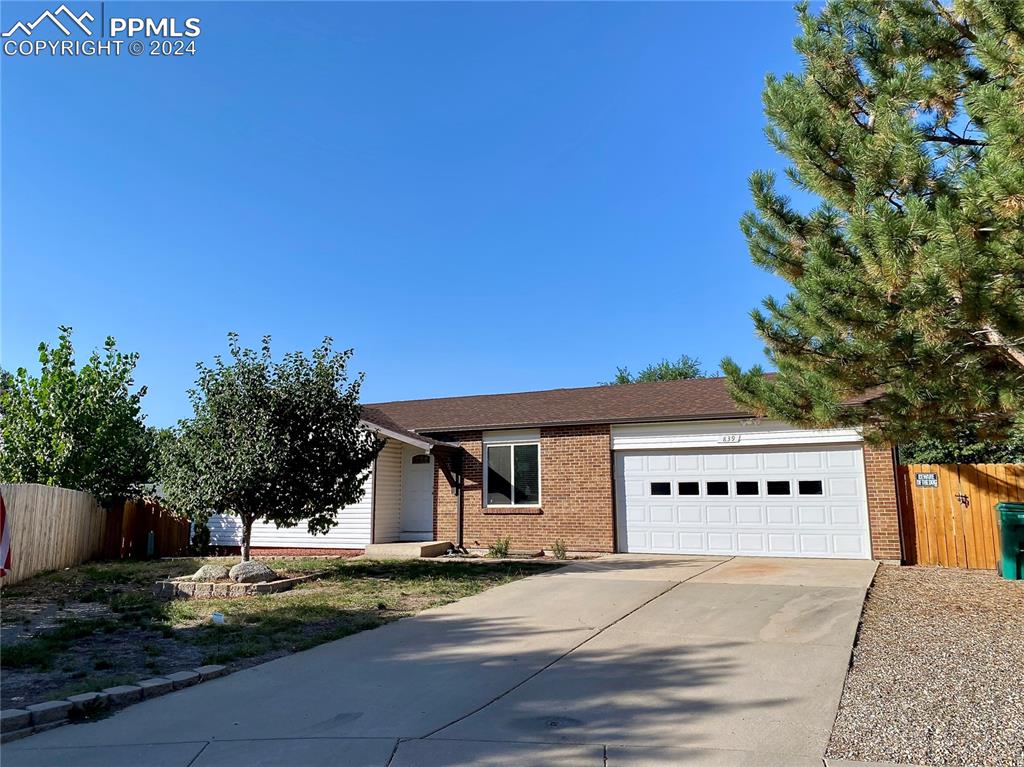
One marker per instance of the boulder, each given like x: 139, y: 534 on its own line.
x: 252, y: 572
x: 210, y: 573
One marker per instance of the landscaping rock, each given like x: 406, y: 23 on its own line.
x: 88, y: 702
x: 158, y: 685
x: 252, y: 572
x: 210, y: 573
x: 13, y: 719
x: 183, y: 679
x: 51, y: 711
x: 123, y: 694
x: 211, y: 671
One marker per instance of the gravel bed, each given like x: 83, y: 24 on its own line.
x: 937, y: 676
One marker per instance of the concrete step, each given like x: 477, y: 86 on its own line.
x: 407, y: 550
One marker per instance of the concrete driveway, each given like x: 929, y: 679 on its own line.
x: 624, y: 660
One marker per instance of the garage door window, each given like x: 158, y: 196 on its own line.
x: 747, y: 488
x: 809, y: 487
x: 778, y: 487
x: 513, y: 475
x: 718, y: 488
x: 689, y: 488
x: 661, y: 488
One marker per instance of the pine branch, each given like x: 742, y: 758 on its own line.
x: 953, y: 140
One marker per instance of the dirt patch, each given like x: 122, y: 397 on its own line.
x: 936, y: 673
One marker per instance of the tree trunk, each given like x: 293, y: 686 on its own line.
x: 246, y: 535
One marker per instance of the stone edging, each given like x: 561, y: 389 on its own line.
x: 18, y: 723
x: 199, y: 590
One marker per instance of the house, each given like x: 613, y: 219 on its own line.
x: 666, y: 467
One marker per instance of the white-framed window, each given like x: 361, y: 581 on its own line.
x: 512, y: 474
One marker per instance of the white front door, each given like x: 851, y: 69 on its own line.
x: 417, y: 495
x: 781, y: 502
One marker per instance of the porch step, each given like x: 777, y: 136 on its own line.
x: 408, y: 550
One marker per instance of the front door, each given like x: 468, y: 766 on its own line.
x: 417, y: 495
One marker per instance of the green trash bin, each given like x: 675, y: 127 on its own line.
x: 1011, y: 534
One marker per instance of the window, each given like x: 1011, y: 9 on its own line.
x: 718, y: 488
x: 689, y: 488
x: 513, y: 475
x: 420, y: 459
x: 809, y: 486
x: 747, y: 488
x: 778, y: 487
x: 661, y: 488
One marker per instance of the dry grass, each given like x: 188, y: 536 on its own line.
x: 76, y: 629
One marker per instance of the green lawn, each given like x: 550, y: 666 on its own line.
x: 103, y: 624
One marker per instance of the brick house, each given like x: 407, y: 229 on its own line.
x: 667, y: 467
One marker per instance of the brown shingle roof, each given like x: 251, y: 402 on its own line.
x: 703, y: 398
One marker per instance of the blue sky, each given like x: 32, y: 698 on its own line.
x: 477, y: 197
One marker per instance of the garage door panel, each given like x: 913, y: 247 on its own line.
x: 852, y: 545
x: 659, y: 463
x: 719, y: 515
x: 750, y: 543
x: 693, y: 541
x: 660, y: 514
x: 689, y: 515
x: 812, y: 515
x: 847, y: 515
x: 809, y: 460
x: 719, y: 542
x: 749, y: 515
x: 687, y: 463
x: 782, y: 544
x: 765, y: 502
x: 842, y: 459
x: 842, y: 487
x: 716, y: 462
x: 781, y: 515
x: 746, y: 462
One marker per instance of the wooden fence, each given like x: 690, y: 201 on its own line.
x: 53, y: 528
x: 130, y: 524
x: 948, y: 512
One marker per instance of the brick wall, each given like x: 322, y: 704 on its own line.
x: 883, y: 514
x: 576, y: 495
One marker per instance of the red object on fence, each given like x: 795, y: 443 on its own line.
x: 5, y: 539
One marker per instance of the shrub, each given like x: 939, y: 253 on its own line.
x: 499, y: 549
x: 559, y: 549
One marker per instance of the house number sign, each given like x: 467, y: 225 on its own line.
x: 926, y: 479
x: 729, y: 439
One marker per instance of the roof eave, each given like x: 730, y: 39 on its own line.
x: 586, y: 422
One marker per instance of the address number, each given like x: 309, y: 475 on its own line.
x: 730, y: 439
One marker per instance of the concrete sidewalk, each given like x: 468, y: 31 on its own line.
x: 625, y: 660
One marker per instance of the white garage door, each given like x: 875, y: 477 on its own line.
x: 782, y: 502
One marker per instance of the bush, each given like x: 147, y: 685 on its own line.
x: 559, y: 549
x: 499, y: 549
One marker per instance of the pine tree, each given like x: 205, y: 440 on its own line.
x: 907, y: 310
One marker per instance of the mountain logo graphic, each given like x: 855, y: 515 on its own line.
x: 63, y: 12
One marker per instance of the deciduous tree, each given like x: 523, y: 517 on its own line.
x: 666, y: 370
x: 277, y: 441
x: 74, y: 427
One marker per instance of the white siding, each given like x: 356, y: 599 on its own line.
x: 388, y: 509
x: 351, y: 532
x: 742, y: 432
